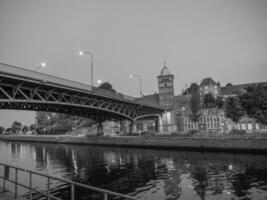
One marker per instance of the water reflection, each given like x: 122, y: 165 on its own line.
x: 143, y: 173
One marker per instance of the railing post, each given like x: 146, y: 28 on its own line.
x: 30, y: 185
x: 48, y: 188
x: 16, y: 183
x: 105, y: 196
x: 72, y: 192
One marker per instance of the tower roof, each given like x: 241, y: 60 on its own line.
x: 165, y: 71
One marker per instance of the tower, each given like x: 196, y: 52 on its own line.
x: 166, y: 88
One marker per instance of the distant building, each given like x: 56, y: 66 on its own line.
x: 178, y: 116
x: 166, y: 87
x: 208, y: 85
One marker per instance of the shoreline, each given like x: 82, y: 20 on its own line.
x: 216, y: 144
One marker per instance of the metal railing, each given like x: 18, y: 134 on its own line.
x: 47, y: 193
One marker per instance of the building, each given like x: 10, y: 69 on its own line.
x: 208, y: 85
x: 178, y: 115
x: 166, y: 87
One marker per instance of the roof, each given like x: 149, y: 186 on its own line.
x: 180, y: 101
x: 237, y: 89
x: 149, y: 99
x: 165, y: 71
x: 207, y: 81
x: 177, y: 102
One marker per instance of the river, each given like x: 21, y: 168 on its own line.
x: 143, y: 173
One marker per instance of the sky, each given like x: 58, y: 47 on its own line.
x: 222, y: 39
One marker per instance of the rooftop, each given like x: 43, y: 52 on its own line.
x: 207, y: 81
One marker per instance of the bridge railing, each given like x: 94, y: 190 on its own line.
x: 47, y: 193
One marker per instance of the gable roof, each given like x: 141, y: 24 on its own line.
x: 149, y: 99
x: 237, y: 89
x: 207, y: 81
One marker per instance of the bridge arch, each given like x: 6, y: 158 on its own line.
x: 28, y: 90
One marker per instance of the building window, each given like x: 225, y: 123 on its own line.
x: 257, y: 126
x: 249, y: 126
x: 244, y: 127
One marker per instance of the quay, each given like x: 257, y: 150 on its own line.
x: 246, y: 144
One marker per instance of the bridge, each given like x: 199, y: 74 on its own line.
x: 23, y: 89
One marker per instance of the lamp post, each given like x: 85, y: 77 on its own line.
x: 81, y: 53
x: 140, y: 82
x: 42, y: 65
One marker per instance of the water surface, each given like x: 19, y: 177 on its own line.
x: 142, y: 173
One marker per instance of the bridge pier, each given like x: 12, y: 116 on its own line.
x: 100, y: 130
x: 132, y: 127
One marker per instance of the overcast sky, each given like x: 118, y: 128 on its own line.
x: 223, y: 39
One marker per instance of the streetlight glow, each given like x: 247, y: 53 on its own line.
x: 42, y: 65
x: 81, y: 53
x: 99, y: 81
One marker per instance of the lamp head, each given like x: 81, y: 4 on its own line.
x: 81, y: 53
x: 99, y: 81
x: 43, y: 64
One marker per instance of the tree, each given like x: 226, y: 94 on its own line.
x: 25, y: 129
x: 209, y: 101
x: 233, y: 109
x: 16, y: 126
x: 254, y: 102
x: 8, y: 130
x: 2, y: 129
x: 194, y: 102
x: 107, y: 86
x: 219, y: 102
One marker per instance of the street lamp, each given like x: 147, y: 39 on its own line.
x: 81, y: 53
x: 42, y: 65
x: 140, y: 82
x: 99, y: 81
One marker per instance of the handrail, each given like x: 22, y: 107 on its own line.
x: 47, y: 193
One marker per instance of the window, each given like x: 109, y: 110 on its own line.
x: 257, y: 126
x: 244, y: 127
x: 215, y: 86
x: 249, y: 126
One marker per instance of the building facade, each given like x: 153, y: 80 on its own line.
x: 178, y: 116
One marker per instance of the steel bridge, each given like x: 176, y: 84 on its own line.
x: 23, y: 89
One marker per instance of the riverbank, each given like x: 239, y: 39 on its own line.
x: 226, y: 144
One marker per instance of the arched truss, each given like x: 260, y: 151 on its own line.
x: 24, y: 94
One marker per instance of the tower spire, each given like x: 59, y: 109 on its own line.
x: 164, y: 63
